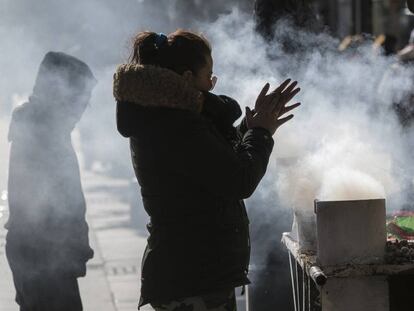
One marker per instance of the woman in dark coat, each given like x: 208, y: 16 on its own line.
x: 194, y: 168
x: 47, y: 240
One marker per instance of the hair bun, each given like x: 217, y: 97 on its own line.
x: 160, y: 40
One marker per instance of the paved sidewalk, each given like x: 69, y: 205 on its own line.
x: 6, y: 282
x: 112, y: 280
x: 118, y: 246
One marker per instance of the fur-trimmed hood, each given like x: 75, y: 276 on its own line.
x: 152, y: 86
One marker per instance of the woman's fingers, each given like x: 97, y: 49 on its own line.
x: 286, y: 97
x: 262, y: 96
x: 274, y: 103
x: 274, y: 97
x: 270, y: 108
x: 282, y: 86
x: 290, y: 87
x: 283, y: 91
x: 283, y: 100
x: 249, y: 116
x: 289, y: 108
x: 264, y: 91
x: 284, y: 120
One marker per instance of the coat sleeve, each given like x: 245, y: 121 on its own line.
x: 124, y: 118
x: 206, y: 158
x: 241, y: 128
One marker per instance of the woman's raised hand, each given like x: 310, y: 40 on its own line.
x: 270, y: 108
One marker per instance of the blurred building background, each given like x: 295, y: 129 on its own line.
x: 350, y: 17
x: 346, y: 17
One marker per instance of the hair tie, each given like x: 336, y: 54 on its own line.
x: 160, y: 40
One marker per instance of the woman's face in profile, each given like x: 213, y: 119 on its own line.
x: 203, y: 80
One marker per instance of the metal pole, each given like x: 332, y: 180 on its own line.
x: 247, y: 298
x: 309, y: 294
x: 293, y: 281
x: 303, y: 290
x: 297, y: 285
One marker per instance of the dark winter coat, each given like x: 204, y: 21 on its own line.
x: 47, y: 230
x: 194, y: 169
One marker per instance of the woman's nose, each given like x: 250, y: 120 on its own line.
x: 213, y: 82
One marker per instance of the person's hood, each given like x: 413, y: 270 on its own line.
x: 151, y: 86
x: 62, y: 76
x: 60, y: 95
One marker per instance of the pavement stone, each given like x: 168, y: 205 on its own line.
x: 119, y: 246
x: 7, y: 292
x: 112, y: 279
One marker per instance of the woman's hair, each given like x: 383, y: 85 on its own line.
x: 179, y: 51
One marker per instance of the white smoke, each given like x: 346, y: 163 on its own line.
x: 98, y: 32
x: 345, y: 141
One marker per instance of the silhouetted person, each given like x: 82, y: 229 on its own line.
x: 390, y: 44
x: 47, y: 241
x: 268, y: 12
x: 194, y: 168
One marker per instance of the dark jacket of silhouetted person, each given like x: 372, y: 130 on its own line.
x: 268, y: 12
x: 47, y: 241
x: 194, y: 169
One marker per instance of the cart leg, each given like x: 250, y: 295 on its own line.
x: 304, y: 289
x: 293, y: 281
x: 314, y: 296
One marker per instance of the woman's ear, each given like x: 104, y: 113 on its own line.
x: 188, y: 75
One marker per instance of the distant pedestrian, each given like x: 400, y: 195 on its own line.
x: 269, y: 12
x: 194, y: 168
x: 47, y: 240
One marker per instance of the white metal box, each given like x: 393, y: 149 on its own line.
x: 350, y: 231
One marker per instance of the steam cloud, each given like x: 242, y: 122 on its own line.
x: 345, y: 141
x: 98, y: 32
